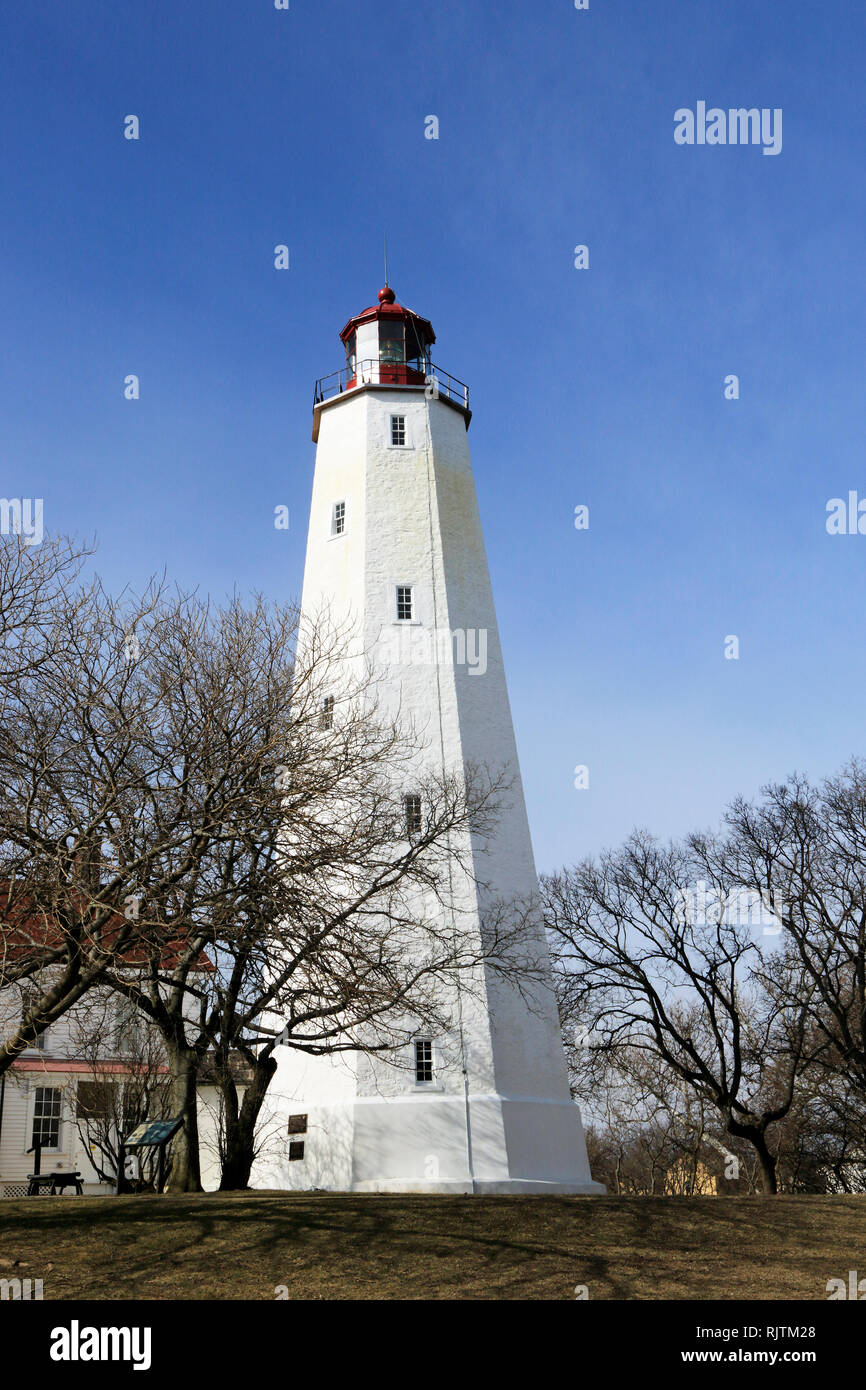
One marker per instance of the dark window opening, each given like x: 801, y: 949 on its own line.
x: 392, y: 341
x: 30, y: 996
x: 46, y: 1117
x: 412, y: 806
x: 423, y: 1060
x: 297, y: 1124
x: 296, y: 1150
x: 95, y: 1100
x: 404, y: 603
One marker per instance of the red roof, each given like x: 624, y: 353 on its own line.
x: 59, y: 1064
x: 388, y: 308
x: 28, y: 928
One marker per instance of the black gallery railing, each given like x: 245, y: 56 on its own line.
x: 375, y: 373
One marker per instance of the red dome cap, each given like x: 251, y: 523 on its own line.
x: 388, y: 308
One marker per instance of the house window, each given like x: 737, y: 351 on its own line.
x: 127, y: 1026
x: 297, y: 1124
x: 30, y: 997
x: 404, y: 603
x: 326, y: 718
x: 338, y: 519
x: 95, y: 1100
x: 296, y: 1150
x: 423, y: 1060
x: 398, y: 429
x: 46, y: 1117
x: 412, y: 807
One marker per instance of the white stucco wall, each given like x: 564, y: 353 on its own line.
x: 412, y: 518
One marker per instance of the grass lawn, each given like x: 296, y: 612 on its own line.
x: 242, y: 1245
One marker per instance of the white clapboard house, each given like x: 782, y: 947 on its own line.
x: 68, y: 1089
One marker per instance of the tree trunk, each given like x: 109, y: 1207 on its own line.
x: 769, y: 1182
x: 185, y: 1173
x: 240, y: 1124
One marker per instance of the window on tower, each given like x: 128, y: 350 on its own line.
x: 326, y: 718
x: 423, y: 1060
x: 412, y: 811
x: 398, y: 429
x: 404, y: 603
x: 338, y: 519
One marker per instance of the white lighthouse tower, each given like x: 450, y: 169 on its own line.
x: 395, y: 545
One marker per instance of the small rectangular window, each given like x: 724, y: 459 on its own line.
x: 297, y: 1124
x: 412, y: 807
x: 404, y: 603
x: 326, y: 718
x: 338, y: 519
x: 296, y: 1150
x: 398, y: 429
x: 95, y: 1100
x: 46, y: 1117
x: 30, y: 996
x: 127, y: 1026
x: 423, y: 1060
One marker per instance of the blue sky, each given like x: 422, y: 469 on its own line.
x: 603, y: 387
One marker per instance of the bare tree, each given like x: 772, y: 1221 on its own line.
x: 804, y: 846
x: 34, y: 582
x: 78, y: 766
x: 217, y: 830
x: 657, y: 977
x: 128, y: 1079
x: 313, y: 902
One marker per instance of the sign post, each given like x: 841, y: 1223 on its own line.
x: 153, y: 1135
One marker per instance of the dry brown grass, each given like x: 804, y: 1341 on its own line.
x: 240, y: 1246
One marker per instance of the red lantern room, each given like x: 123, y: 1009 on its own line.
x: 387, y: 344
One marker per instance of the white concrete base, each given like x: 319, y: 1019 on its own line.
x: 419, y: 1143
x: 518, y: 1187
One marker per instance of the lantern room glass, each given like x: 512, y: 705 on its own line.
x: 392, y: 342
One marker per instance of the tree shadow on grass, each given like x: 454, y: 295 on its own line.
x: 348, y: 1246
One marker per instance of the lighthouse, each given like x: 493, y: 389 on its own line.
x: 395, y: 547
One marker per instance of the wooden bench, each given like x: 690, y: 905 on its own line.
x: 53, y: 1183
